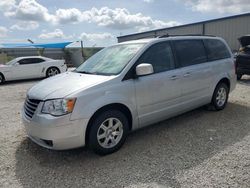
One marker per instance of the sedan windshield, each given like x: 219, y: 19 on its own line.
x: 110, y: 60
x: 11, y: 62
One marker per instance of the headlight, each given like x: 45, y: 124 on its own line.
x: 58, y: 107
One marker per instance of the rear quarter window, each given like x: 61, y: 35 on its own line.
x: 216, y: 49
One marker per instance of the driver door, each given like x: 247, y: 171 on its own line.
x: 158, y: 95
x: 27, y: 68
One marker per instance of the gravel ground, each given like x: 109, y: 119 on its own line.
x: 198, y: 149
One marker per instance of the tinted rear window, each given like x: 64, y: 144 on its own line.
x: 30, y: 61
x: 190, y: 52
x: 216, y: 49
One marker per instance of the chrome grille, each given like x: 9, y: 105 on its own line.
x: 30, y: 107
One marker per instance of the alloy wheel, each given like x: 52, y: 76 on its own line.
x: 53, y: 72
x: 110, y: 133
x: 221, y: 96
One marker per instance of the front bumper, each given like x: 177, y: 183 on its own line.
x: 57, y: 133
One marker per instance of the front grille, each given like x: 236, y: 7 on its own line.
x: 30, y: 106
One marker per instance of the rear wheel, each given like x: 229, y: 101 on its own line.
x: 239, y: 76
x: 220, y: 96
x: 1, y: 79
x: 52, y: 71
x: 108, y: 132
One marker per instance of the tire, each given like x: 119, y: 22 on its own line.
x: 112, y: 128
x: 52, y: 71
x: 220, y: 96
x: 239, y: 76
x: 2, y: 80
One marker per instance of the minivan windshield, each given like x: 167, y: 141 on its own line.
x: 110, y: 60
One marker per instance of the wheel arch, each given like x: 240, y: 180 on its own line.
x: 213, y: 102
x: 222, y: 80
x: 226, y: 81
x: 114, y: 106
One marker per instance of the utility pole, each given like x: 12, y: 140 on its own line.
x: 82, y: 49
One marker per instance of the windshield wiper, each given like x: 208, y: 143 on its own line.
x: 85, y: 72
x: 94, y: 73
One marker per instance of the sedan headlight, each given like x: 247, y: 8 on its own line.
x: 58, y: 107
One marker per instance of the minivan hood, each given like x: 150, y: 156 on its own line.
x: 64, y: 84
x: 245, y: 40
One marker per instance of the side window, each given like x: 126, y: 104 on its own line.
x: 23, y: 61
x: 160, y: 56
x: 190, y: 52
x: 30, y: 61
x: 216, y: 49
x: 38, y: 60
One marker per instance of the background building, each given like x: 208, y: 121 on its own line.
x: 229, y: 28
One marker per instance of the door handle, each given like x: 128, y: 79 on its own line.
x: 174, y: 77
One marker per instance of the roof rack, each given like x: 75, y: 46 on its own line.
x: 167, y: 35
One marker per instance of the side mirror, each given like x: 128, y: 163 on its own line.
x: 16, y: 64
x: 144, y: 69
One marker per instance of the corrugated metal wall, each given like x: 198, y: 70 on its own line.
x: 228, y: 28
x: 193, y: 29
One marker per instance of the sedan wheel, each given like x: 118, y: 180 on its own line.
x: 1, y: 79
x: 108, y: 132
x: 52, y: 72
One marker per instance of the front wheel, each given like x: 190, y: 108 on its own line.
x: 220, y: 96
x: 1, y: 79
x: 108, y: 132
x: 52, y: 71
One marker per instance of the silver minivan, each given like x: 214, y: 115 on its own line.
x: 128, y: 86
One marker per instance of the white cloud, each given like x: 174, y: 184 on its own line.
x: 221, y: 6
x: 25, y: 26
x: 6, y: 5
x: 121, y: 18
x: 96, y: 36
x: 3, y: 31
x: 148, y: 1
x: 118, y: 18
x: 63, y: 16
x: 56, y: 34
x: 98, y: 39
x: 30, y: 10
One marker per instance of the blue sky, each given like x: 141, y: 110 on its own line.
x: 99, y: 22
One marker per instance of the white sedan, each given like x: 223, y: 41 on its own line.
x: 31, y: 67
